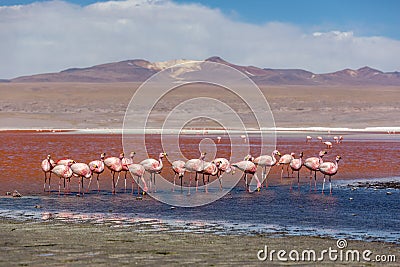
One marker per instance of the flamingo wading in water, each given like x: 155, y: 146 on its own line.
x: 224, y: 166
x: 114, y: 164
x: 313, y: 164
x: 285, y: 160
x: 266, y: 161
x: 296, y: 165
x: 81, y: 170
x: 153, y: 167
x: 196, y: 166
x: 178, y: 167
x: 330, y: 169
x: 125, y: 163
x: 97, y: 166
x: 210, y: 168
x: 64, y: 172
x: 138, y: 170
x: 247, y: 167
x: 47, y: 165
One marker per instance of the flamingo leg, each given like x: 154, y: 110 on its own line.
x: 265, y: 177
x: 323, y: 185
x: 98, y: 185
x: 190, y: 182
x: 258, y: 182
x: 330, y: 185
x: 125, y: 180
x: 133, y: 185
x: 208, y: 180
x: 173, y: 189
x: 80, y: 185
x: 117, y: 179
x: 113, y: 182
x: 245, y: 181
x: 45, y: 182
x: 155, y: 188
x: 181, y: 177
x: 220, y: 182
x: 49, y: 182
x: 298, y: 179
x: 138, y: 187
x: 145, y: 188
x: 59, y: 187
x: 88, y: 187
x: 197, y: 181
x: 315, y: 180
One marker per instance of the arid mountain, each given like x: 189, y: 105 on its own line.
x: 139, y: 70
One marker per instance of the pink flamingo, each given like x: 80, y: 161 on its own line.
x: 313, y: 164
x: 178, y: 167
x: 209, y: 169
x: 47, y: 165
x: 114, y: 164
x: 153, y: 167
x: 308, y: 139
x: 336, y: 139
x: 97, y: 166
x: 266, y: 161
x: 64, y: 172
x: 81, y: 170
x: 340, y: 139
x: 196, y: 166
x: 328, y: 144
x: 248, y: 167
x: 319, y: 138
x: 330, y: 169
x: 138, y: 170
x: 65, y: 161
x: 296, y: 165
x: 125, y: 168
x: 224, y: 166
x: 285, y: 160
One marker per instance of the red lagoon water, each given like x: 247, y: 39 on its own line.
x: 21, y: 153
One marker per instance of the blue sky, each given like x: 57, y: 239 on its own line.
x: 364, y: 17
x: 319, y: 36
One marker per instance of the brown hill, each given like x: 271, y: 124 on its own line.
x: 139, y: 70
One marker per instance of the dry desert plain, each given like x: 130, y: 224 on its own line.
x: 103, y: 105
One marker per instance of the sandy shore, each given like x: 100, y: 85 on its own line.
x: 76, y: 244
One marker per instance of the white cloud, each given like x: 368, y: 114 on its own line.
x: 51, y: 36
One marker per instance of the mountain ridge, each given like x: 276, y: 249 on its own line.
x: 139, y: 70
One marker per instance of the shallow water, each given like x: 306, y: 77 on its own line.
x: 365, y: 213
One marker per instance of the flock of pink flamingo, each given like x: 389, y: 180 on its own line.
x: 67, y: 168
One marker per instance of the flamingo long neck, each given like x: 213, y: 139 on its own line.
x: 336, y: 164
x: 161, y: 164
x: 215, y: 171
x: 321, y: 160
x: 273, y: 158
